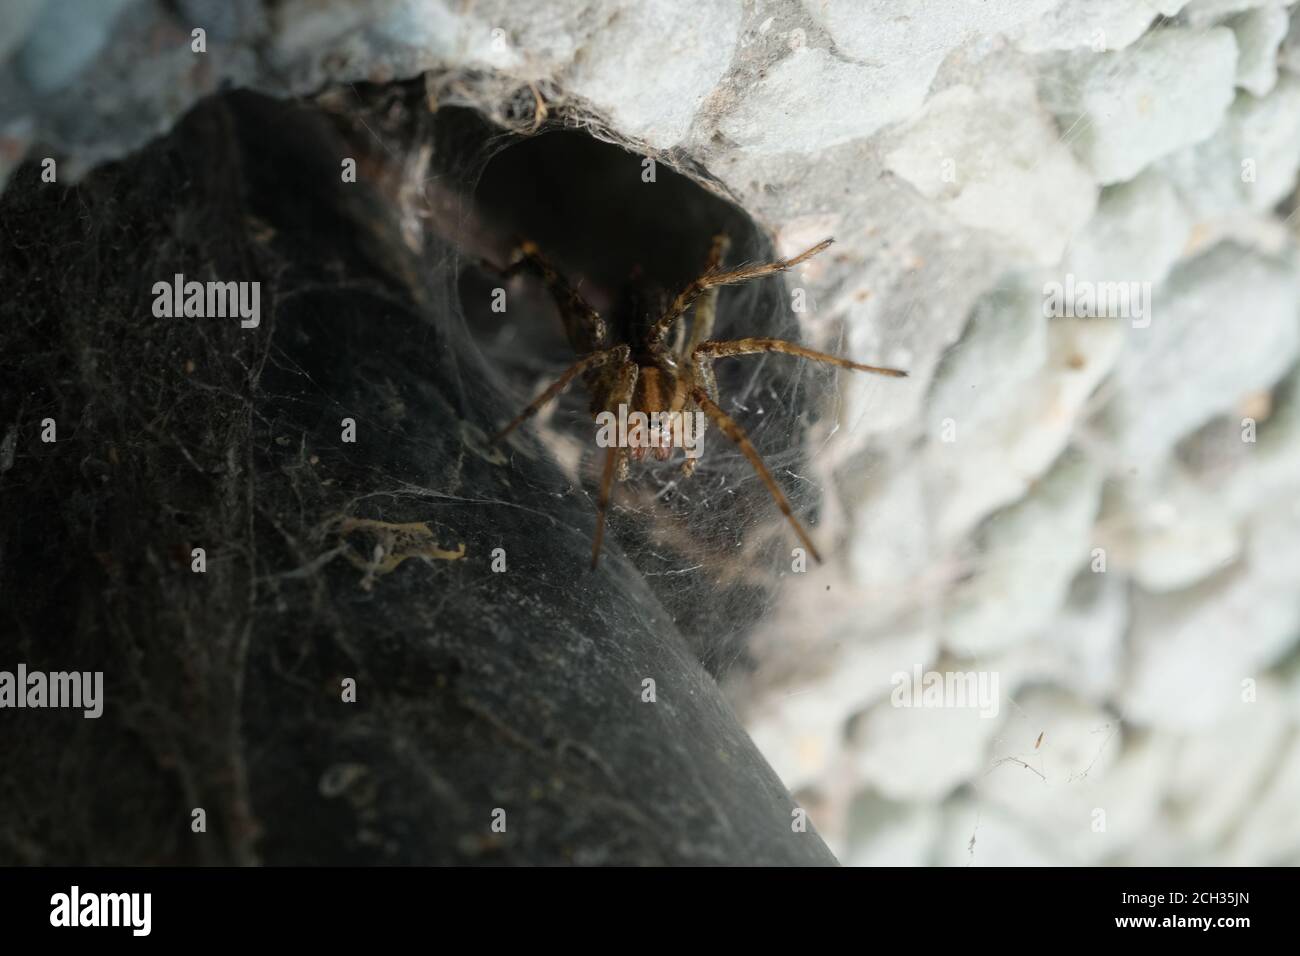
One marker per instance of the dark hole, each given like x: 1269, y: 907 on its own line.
x: 585, y: 202
x: 587, y: 206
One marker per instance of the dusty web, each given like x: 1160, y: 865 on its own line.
x: 713, y: 548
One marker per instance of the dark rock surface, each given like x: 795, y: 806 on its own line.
x: 476, y: 690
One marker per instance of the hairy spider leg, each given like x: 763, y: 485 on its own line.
x: 731, y: 428
x: 753, y: 346
x: 615, y: 455
x: 583, y: 325
x: 699, y: 286
x: 619, y: 354
x: 706, y: 390
x: 706, y: 309
x: 706, y: 312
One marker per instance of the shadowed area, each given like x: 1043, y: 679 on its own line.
x: 476, y: 690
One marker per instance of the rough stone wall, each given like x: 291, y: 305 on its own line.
x: 964, y: 155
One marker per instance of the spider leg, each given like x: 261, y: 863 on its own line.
x: 615, y: 456
x: 702, y: 369
x: 753, y: 346
x: 706, y: 309
x: 731, y: 428
x: 583, y: 325
x: 711, y: 280
x: 689, y: 464
x: 606, y: 484
x: 618, y: 353
x: 678, y: 348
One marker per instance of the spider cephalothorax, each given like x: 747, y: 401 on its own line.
x: 647, y: 361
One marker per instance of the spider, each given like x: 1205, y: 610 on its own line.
x: 630, y: 361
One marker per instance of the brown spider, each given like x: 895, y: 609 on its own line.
x: 627, y: 362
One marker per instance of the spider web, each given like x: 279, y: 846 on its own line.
x: 713, y: 548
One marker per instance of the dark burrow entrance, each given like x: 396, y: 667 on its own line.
x: 713, y: 547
